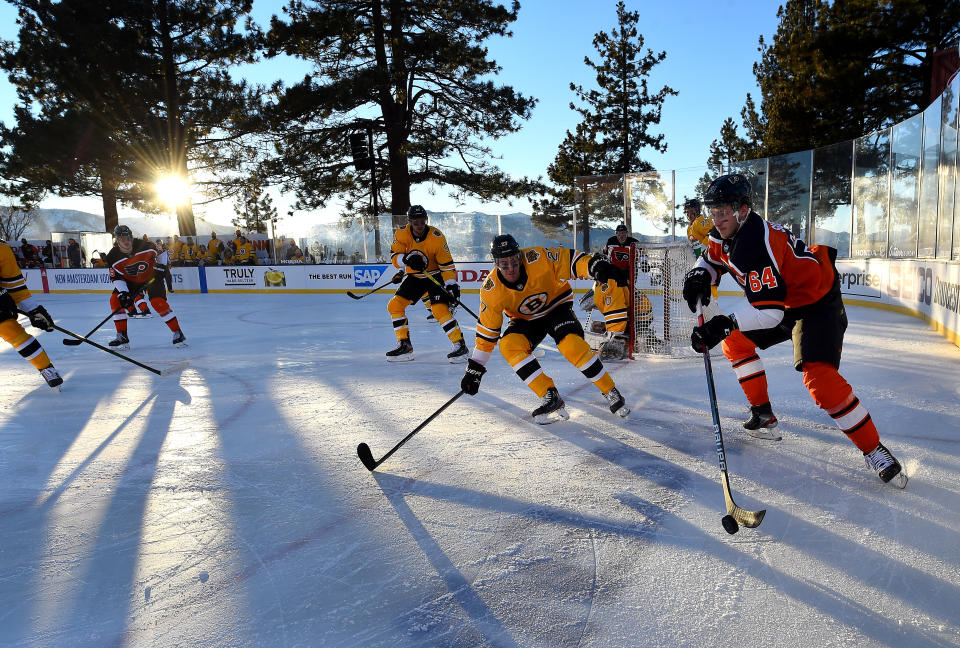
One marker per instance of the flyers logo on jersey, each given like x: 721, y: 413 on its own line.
x: 136, y: 268
x: 533, y: 304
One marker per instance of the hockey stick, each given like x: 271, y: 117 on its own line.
x: 735, y: 515
x: 366, y: 456
x: 370, y: 292
x: 160, y: 372
x: 73, y: 342
x: 449, y: 296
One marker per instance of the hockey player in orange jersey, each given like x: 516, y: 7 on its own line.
x: 792, y: 291
x: 134, y: 269
x: 420, y: 250
x: 531, y: 288
x: 15, y: 296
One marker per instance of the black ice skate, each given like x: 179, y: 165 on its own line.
x: 403, y: 353
x: 881, y: 461
x: 52, y: 377
x: 179, y: 339
x: 459, y: 353
x: 121, y: 342
x: 761, y: 422
x: 551, y: 408
x: 617, y: 403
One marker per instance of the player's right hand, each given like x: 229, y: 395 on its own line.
x: 125, y: 299
x: 470, y: 384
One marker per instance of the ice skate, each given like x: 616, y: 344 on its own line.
x: 761, y: 423
x: 403, y: 352
x: 52, y: 377
x: 551, y: 408
x: 459, y: 353
x: 179, y: 339
x: 120, y: 343
x: 617, y: 403
x: 881, y: 461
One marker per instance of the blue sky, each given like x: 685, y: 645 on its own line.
x: 710, y: 46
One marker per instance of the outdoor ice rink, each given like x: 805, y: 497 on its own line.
x: 225, y: 505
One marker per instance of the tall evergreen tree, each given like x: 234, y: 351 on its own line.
x: 254, y: 207
x: 617, y: 117
x: 113, y: 93
x: 417, y: 73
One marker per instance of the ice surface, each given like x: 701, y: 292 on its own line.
x: 225, y: 505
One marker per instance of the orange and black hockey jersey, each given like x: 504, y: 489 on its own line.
x: 432, y: 245
x: 136, y: 268
x: 543, y: 285
x: 775, y: 268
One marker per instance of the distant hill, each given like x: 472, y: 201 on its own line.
x: 46, y: 221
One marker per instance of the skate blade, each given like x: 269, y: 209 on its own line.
x: 404, y: 358
x: 121, y: 347
x: 623, y: 412
x: 767, y: 434
x: 181, y: 345
x: 458, y: 359
x: 900, y: 480
x: 552, y: 417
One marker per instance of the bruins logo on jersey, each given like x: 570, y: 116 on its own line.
x: 488, y: 284
x: 532, y: 255
x: 533, y: 304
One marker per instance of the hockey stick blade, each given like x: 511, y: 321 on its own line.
x: 72, y: 342
x: 366, y: 457
x: 175, y: 368
x: 354, y: 295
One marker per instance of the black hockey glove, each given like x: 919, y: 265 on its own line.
x: 470, y: 383
x: 453, y: 290
x: 125, y: 299
x: 8, y: 307
x: 40, y: 318
x: 415, y: 261
x: 397, y: 278
x: 696, y: 286
x: 712, y: 333
x: 602, y: 270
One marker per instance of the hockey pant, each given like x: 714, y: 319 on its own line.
x: 158, y: 299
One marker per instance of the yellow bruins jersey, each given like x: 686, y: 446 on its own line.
x: 543, y: 286
x: 698, y: 233
x: 11, y: 279
x: 433, y: 246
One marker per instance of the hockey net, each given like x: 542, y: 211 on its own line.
x: 660, y: 320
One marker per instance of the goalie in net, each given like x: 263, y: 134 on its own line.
x: 649, y: 315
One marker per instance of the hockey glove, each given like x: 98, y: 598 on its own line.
x: 397, y: 278
x: 712, y: 333
x: 125, y: 299
x: 8, y: 307
x: 696, y: 286
x: 602, y: 270
x: 40, y: 318
x: 415, y: 261
x: 470, y: 383
x: 453, y: 289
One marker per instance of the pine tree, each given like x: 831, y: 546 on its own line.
x: 417, y: 74
x: 254, y: 207
x: 617, y: 117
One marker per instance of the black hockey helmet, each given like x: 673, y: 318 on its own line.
x: 122, y: 230
x: 731, y: 189
x: 621, y: 228
x: 416, y: 211
x: 504, y: 245
x: 692, y: 203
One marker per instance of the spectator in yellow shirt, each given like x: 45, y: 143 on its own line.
x: 245, y: 253
x: 189, y: 252
x: 214, y: 249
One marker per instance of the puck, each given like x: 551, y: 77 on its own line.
x: 729, y: 524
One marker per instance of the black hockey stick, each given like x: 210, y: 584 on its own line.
x: 77, y: 342
x: 735, y: 515
x: 366, y: 456
x: 370, y: 292
x: 449, y: 296
x: 160, y: 372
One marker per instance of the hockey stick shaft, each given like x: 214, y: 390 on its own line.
x: 366, y: 456
x: 370, y: 292
x: 749, y: 519
x: 449, y: 296
x: 110, y: 351
x: 75, y: 342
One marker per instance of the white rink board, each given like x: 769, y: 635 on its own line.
x: 923, y: 288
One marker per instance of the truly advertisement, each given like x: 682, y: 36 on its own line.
x: 240, y: 276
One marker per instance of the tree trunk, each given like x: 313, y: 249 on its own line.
x: 108, y: 195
